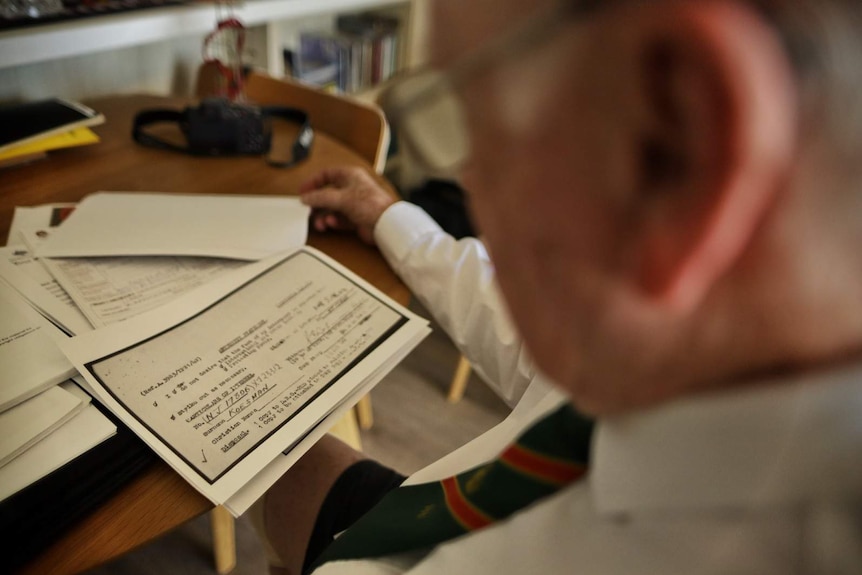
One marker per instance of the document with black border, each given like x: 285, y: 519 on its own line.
x: 224, y: 379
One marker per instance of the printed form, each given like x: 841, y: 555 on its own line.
x: 220, y: 385
x: 34, y: 282
x: 112, y: 289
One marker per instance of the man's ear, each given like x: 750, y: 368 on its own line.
x: 716, y: 144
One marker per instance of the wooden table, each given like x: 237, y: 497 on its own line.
x: 159, y: 499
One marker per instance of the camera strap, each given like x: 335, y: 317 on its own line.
x: 300, y: 149
x: 147, y: 117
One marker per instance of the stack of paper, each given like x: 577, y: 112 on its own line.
x: 209, y: 329
x: 29, y: 130
x: 37, y: 399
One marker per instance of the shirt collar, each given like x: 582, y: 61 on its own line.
x: 783, y: 442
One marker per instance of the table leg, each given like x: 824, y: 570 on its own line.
x: 224, y: 540
x: 459, y: 380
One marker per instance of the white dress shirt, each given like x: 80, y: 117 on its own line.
x: 765, y: 480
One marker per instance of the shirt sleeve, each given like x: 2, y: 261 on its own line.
x: 454, y: 280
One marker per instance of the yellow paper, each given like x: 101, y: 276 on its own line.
x: 72, y: 138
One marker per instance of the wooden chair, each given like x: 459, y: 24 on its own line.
x: 359, y: 125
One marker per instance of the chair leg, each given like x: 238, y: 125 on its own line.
x: 224, y: 540
x: 364, y: 413
x: 459, y: 380
x: 347, y: 430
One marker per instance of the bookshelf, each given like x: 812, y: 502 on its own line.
x: 158, y: 50
x: 85, y: 36
x: 351, y: 53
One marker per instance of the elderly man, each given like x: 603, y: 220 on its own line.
x: 668, y: 193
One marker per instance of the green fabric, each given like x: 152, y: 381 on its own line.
x: 550, y: 454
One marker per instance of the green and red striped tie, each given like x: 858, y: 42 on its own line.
x: 549, y: 455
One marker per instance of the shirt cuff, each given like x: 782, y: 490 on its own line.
x: 400, y: 227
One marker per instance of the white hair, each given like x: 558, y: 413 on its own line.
x: 823, y: 41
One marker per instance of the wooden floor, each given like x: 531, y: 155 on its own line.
x: 414, y: 425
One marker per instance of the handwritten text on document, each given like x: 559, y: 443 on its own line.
x: 220, y: 383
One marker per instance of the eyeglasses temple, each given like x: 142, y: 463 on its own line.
x: 502, y: 47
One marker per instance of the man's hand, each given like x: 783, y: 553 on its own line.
x: 345, y: 199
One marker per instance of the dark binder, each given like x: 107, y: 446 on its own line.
x: 35, y: 517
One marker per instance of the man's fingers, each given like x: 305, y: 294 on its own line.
x: 338, y: 177
x: 325, y: 220
x: 328, y: 198
x: 318, y: 180
x: 339, y: 222
x: 318, y: 222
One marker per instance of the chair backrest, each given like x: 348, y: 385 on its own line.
x: 358, y: 125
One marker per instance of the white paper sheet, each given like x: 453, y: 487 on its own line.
x: 154, y: 224
x: 82, y: 432
x: 30, y: 360
x: 219, y: 384
x: 24, y: 272
x: 28, y: 422
x: 111, y: 289
x: 35, y: 217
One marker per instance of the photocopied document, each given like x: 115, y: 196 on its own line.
x: 222, y: 380
x: 22, y: 270
x: 160, y: 224
x: 26, y: 274
x: 111, y: 289
x: 79, y: 294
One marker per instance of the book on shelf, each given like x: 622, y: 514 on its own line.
x: 360, y: 53
x: 322, y: 60
x: 376, y: 36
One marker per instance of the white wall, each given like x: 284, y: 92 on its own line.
x: 167, y: 67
